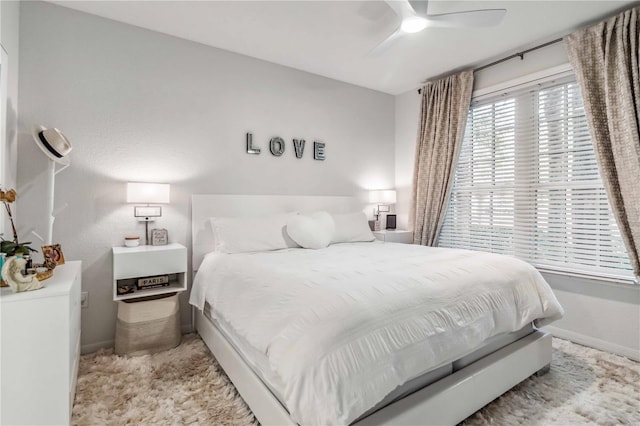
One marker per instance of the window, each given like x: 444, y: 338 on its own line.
x: 527, y: 184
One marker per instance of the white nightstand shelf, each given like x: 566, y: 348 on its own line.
x: 132, y: 263
x: 394, y: 236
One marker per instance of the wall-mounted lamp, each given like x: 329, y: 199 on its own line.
x: 147, y: 193
x: 383, y: 198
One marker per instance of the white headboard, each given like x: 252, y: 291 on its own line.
x: 206, y: 206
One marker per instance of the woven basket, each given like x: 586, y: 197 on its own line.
x: 148, y: 326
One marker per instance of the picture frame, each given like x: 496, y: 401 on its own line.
x: 391, y: 221
x: 159, y: 237
x: 53, y: 254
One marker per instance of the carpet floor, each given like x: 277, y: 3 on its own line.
x: 185, y: 385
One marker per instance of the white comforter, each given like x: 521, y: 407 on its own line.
x: 345, y: 325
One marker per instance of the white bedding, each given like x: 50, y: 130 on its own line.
x: 343, y: 326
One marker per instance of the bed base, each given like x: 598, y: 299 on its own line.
x: 445, y: 402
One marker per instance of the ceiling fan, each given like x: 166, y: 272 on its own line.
x: 414, y: 18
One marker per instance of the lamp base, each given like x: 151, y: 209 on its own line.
x: 146, y: 221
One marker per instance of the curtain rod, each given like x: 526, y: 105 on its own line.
x: 515, y: 55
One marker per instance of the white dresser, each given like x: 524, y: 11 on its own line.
x: 40, y: 350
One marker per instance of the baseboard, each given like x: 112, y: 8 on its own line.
x: 93, y: 347
x: 593, y: 342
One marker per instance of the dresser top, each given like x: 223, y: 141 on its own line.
x: 59, y: 284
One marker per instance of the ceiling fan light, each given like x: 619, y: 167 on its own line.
x: 413, y: 24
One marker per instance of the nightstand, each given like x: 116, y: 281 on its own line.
x: 394, y: 236
x: 133, y: 263
x: 146, y: 283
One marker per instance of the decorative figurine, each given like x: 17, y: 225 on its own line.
x: 12, y: 275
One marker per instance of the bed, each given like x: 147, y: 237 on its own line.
x: 364, y: 332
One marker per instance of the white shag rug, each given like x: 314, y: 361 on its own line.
x: 185, y: 385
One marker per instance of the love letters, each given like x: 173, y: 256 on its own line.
x: 277, y: 147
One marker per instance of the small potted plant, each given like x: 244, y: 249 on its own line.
x: 12, y: 248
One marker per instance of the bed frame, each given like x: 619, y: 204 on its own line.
x: 446, y: 401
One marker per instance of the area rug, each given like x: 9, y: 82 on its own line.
x: 185, y: 385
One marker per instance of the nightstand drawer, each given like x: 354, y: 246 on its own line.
x: 148, y: 261
x: 394, y: 236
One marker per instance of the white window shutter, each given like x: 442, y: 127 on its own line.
x: 527, y: 184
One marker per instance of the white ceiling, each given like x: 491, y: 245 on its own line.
x: 333, y: 38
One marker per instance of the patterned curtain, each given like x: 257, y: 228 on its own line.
x: 606, y: 58
x: 445, y: 104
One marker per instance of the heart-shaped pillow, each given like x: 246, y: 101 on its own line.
x: 313, y: 232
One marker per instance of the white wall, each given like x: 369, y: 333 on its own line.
x: 599, y: 314
x: 139, y: 105
x: 9, y: 39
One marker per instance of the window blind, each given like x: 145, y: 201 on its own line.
x: 527, y: 184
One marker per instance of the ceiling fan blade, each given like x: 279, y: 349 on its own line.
x: 402, y: 8
x: 420, y: 7
x: 469, y: 19
x: 386, y: 43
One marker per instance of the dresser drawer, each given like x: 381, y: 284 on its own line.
x: 73, y: 378
x: 74, y: 318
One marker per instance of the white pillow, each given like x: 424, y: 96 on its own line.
x: 351, y: 228
x: 312, y: 232
x: 241, y: 235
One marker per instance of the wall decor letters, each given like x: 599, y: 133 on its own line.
x: 250, y: 148
x: 298, y: 146
x: 318, y: 151
x: 277, y: 147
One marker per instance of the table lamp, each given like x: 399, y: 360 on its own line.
x: 383, y: 198
x: 147, y: 193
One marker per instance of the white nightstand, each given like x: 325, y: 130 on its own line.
x: 394, y: 236
x: 40, y: 334
x: 148, y: 317
x: 133, y: 263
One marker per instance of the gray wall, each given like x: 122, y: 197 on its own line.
x: 599, y: 314
x: 9, y: 39
x: 142, y: 106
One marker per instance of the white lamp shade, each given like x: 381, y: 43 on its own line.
x: 382, y: 196
x: 148, y: 193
